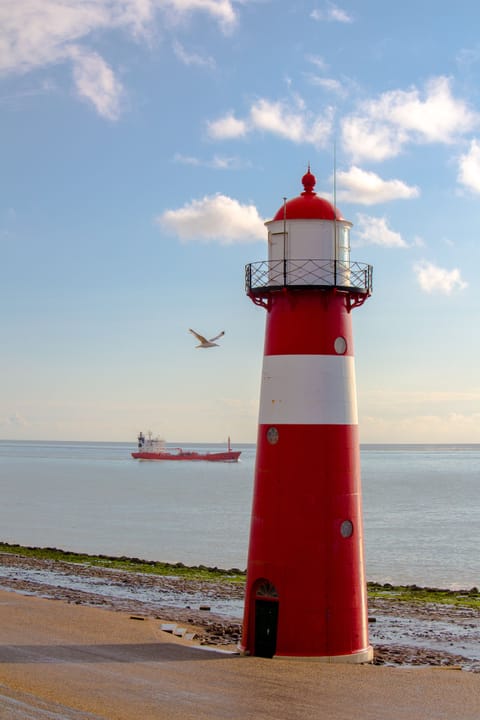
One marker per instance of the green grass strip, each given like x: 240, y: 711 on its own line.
x: 199, y: 572
x: 415, y: 594
x: 405, y: 593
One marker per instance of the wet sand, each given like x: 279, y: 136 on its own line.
x: 64, y: 661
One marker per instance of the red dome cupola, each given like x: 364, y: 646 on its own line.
x: 308, y: 205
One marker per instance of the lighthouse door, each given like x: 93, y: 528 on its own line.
x: 266, y: 619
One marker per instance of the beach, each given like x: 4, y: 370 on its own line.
x: 403, y: 633
x: 61, y: 661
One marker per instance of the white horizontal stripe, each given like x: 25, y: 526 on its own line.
x: 308, y: 390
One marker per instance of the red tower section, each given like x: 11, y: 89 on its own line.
x: 306, y: 586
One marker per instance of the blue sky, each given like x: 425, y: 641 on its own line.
x: 143, y: 145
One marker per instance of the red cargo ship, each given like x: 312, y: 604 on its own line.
x: 150, y: 448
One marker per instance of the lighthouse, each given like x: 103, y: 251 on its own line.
x: 306, y: 585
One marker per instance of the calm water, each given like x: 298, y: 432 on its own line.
x: 421, y: 507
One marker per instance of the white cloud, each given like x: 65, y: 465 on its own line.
x: 217, y: 162
x: 468, y: 57
x: 469, y: 167
x: 38, y: 33
x: 96, y: 82
x: 329, y: 84
x: 410, y: 427
x: 220, y: 162
x: 383, y: 126
x: 367, y: 188
x: 320, y: 130
x: 189, y: 58
x: 434, y: 279
x: 375, y: 231
x: 278, y: 118
x: 341, y: 87
x: 227, y: 127
x: 318, y: 61
x: 388, y: 412
x: 331, y: 14
x: 220, y: 10
x: 365, y: 138
x: 419, y: 398
x: 187, y: 160
x: 216, y: 218
x: 438, y: 118
x: 34, y: 33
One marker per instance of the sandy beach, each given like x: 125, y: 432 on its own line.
x: 77, y: 653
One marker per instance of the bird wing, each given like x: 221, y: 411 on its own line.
x: 217, y: 336
x: 200, y: 338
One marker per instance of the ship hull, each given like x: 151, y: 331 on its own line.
x: 231, y: 456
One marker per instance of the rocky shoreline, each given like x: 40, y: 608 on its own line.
x: 402, y: 633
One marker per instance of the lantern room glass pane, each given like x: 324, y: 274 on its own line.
x: 343, y: 243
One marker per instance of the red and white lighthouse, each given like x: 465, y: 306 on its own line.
x: 306, y: 585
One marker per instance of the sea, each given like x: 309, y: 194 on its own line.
x: 421, y: 507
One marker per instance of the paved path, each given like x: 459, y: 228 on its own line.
x: 67, y: 662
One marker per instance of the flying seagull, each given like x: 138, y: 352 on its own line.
x: 204, y: 343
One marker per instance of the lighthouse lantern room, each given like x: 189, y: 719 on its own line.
x: 306, y: 586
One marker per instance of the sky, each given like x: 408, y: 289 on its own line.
x: 144, y: 143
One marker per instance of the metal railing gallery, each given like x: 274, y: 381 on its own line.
x: 322, y: 274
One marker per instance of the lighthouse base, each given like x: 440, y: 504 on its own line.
x: 359, y: 657
x: 362, y: 656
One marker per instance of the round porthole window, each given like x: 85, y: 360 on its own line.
x: 340, y: 345
x: 346, y: 529
x: 272, y: 435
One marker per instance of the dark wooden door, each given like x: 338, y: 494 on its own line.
x: 266, y: 619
